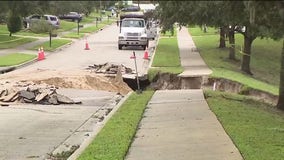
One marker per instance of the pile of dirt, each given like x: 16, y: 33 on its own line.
x: 77, y: 79
x: 29, y: 92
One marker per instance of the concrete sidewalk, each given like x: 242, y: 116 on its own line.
x: 178, y: 124
x: 190, y: 58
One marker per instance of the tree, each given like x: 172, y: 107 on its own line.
x: 14, y: 23
x: 275, y: 18
x: 280, y: 103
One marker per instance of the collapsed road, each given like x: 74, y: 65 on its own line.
x: 38, y: 130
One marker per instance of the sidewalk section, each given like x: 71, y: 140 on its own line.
x: 190, y: 58
x: 178, y: 125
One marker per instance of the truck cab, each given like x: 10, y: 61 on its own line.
x: 132, y: 33
x: 133, y: 30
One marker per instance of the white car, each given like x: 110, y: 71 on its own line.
x: 51, y: 19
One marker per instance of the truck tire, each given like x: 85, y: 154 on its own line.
x: 119, y: 47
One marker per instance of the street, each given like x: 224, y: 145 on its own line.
x: 103, y: 48
x: 35, y: 131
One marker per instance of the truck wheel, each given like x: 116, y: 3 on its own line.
x: 119, y: 47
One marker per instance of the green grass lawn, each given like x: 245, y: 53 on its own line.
x: 91, y: 29
x: 67, y: 25
x: 3, y: 29
x: 15, y: 59
x: 265, y: 61
x: 91, y: 18
x: 74, y: 35
x: 113, y: 141
x: 55, y: 43
x: 29, y: 33
x: 256, y: 128
x: 166, y: 58
x: 197, y: 31
x: 167, y: 53
x: 10, y: 42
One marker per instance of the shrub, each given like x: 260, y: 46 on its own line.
x: 14, y: 23
x: 40, y: 26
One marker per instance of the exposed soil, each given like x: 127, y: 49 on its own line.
x: 171, y: 81
x: 78, y: 79
x: 236, y: 87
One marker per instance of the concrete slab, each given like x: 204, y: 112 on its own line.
x: 33, y: 131
x: 179, y: 125
x: 191, y: 60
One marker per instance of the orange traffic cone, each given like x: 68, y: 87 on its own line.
x: 42, y: 53
x: 146, y: 55
x: 87, y: 46
x: 39, y: 55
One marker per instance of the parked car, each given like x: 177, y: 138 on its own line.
x: 51, y: 19
x: 73, y: 16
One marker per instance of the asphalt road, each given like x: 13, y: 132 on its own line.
x: 34, y: 131
x: 103, y: 48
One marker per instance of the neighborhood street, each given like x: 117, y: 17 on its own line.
x: 36, y: 131
x: 103, y: 48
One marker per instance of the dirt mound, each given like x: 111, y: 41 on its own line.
x: 78, y: 79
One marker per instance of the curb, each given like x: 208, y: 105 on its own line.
x: 97, y: 129
x: 154, y: 51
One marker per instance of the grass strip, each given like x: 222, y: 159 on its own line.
x: 256, y: 128
x: 114, y: 139
x: 67, y: 25
x: 15, y: 59
x: 166, y: 59
x: 55, y: 43
x: 167, y: 53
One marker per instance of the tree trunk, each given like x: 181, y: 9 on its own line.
x: 232, y: 43
x: 222, y: 38
x: 245, y: 66
x: 204, y: 28
x: 280, y: 104
x: 10, y: 34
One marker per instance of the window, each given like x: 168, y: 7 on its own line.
x: 133, y: 23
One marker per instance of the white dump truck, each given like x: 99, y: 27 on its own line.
x: 132, y: 30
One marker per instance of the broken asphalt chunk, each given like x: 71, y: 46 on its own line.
x: 28, y: 95
x: 63, y: 99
